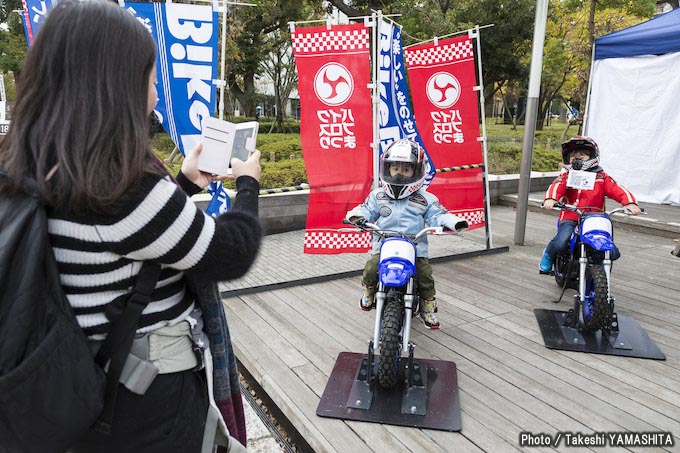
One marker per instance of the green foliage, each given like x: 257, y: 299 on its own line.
x: 284, y: 173
x: 505, y: 158
x: 292, y: 126
x: 280, y: 146
x: 12, y: 43
x: 504, y: 43
x: 504, y: 151
x: 569, y: 35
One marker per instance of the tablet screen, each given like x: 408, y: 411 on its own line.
x: 240, y: 136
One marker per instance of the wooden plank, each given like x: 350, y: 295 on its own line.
x: 608, y: 383
x: 509, y: 382
x: 376, y: 436
x: 289, y: 393
x: 555, y: 400
x: 666, y: 373
x: 641, y: 389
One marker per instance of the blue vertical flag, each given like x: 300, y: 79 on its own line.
x: 186, y: 36
x: 34, y: 15
x: 395, y: 115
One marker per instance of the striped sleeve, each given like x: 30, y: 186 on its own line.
x: 168, y: 228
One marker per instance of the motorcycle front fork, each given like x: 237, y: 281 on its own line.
x: 379, y: 304
x: 607, y: 265
x: 409, y: 300
x: 583, y: 263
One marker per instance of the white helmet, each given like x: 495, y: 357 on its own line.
x: 399, y: 186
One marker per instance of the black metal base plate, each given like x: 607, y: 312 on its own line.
x: 634, y: 340
x: 443, y: 404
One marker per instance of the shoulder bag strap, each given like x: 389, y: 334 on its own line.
x: 116, y: 347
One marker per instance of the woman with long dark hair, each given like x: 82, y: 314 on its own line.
x: 80, y: 131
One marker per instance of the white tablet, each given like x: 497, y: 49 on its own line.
x: 245, y: 137
x: 223, y: 140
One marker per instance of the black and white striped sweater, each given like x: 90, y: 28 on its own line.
x: 99, y: 256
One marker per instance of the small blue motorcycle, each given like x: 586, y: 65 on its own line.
x: 586, y: 266
x: 396, y: 299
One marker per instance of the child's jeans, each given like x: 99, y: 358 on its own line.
x: 423, y: 268
x: 561, y: 242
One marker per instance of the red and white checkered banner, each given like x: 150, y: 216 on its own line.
x: 333, y: 66
x: 446, y: 107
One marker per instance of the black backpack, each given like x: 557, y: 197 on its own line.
x: 52, y: 389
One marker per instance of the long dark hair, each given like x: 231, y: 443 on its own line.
x: 82, y: 104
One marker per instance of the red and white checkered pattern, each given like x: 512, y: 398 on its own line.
x: 473, y: 217
x: 442, y: 53
x: 334, y: 40
x: 333, y: 242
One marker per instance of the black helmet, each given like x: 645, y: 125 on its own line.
x: 579, y: 143
x: 406, y: 151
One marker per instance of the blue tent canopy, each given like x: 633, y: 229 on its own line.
x: 656, y: 36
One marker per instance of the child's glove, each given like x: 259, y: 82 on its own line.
x: 461, y: 226
x: 358, y: 221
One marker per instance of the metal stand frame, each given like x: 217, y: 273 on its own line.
x: 623, y: 336
x: 427, y: 398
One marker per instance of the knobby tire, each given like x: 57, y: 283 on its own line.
x: 390, y: 342
x: 596, y: 298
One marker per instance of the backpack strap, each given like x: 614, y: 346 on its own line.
x: 124, y: 316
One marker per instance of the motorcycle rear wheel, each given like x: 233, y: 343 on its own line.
x: 594, y: 307
x: 390, y: 342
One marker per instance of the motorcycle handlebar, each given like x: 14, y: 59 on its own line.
x: 559, y: 206
x: 374, y: 228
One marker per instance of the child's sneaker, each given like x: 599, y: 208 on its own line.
x: 428, y: 310
x: 546, y: 264
x: 367, y: 300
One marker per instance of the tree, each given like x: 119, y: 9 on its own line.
x: 357, y: 8
x: 279, y: 67
x: 12, y: 41
x: 593, y: 18
x: 502, y: 45
x: 247, y: 46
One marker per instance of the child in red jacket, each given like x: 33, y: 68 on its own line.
x: 580, y: 153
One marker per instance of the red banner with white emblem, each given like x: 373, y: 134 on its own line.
x: 336, y: 130
x: 446, y: 107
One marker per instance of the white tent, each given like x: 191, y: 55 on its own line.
x: 633, y: 112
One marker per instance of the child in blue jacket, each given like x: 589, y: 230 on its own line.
x: 402, y: 204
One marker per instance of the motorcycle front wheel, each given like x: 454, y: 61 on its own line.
x: 390, y: 341
x: 594, y: 306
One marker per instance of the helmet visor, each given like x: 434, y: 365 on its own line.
x: 400, y: 173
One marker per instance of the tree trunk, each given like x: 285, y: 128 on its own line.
x: 278, y: 124
x: 507, y: 109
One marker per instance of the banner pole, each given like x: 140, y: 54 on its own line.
x: 474, y: 33
x: 530, y: 120
x: 586, y: 113
x: 223, y: 81
x: 377, y: 20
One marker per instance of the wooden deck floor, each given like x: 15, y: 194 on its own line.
x: 289, y: 339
